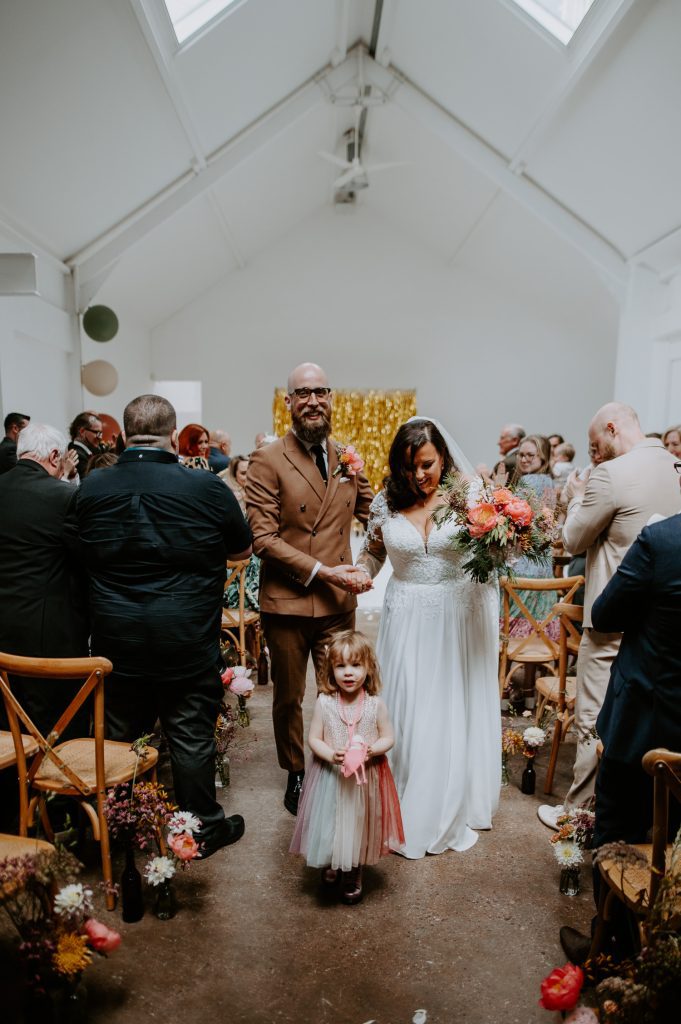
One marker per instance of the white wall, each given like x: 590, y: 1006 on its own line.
x: 378, y: 310
x: 129, y: 353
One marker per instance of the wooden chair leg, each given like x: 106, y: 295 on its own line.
x: 553, y: 757
x: 105, y: 849
x: 45, y: 820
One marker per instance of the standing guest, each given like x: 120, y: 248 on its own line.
x: 43, y: 608
x: 554, y: 440
x: 300, y: 507
x: 14, y: 423
x: 219, y: 451
x: 155, y: 539
x: 671, y: 439
x: 607, y: 509
x: 86, y: 438
x: 642, y: 706
x: 194, y: 446
x: 510, y: 437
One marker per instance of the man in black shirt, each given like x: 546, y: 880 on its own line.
x: 155, y: 538
x: 14, y: 423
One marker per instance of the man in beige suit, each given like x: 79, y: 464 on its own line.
x: 300, y: 508
x: 634, y: 479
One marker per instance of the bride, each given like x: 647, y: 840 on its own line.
x: 437, y: 648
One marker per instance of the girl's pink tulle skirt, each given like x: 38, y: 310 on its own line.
x: 342, y: 824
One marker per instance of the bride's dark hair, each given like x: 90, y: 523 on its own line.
x: 400, y: 490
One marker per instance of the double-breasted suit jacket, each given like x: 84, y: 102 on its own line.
x: 297, y: 521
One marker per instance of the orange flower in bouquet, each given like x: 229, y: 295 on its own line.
x: 497, y: 525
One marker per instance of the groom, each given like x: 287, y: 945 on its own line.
x: 300, y: 509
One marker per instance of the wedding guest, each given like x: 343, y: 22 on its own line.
x: 194, y: 446
x: 342, y: 824
x: 510, y: 437
x: 562, y: 461
x: 155, y: 540
x: 220, y: 448
x: 554, y: 440
x: 607, y: 508
x: 86, y: 438
x: 300, y: 507
x: 100, y: 460
x: 671, y: 439
x: 235, y: 478
x: 14, y: 424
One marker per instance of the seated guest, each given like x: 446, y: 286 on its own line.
x: 14, y: 423
x: 562, y: 461
x: 235, y: 478
x: 43, y: 609
x: 671, y: 439
x: 642, y: 706
x: 194, y: 446
x: 554, y: 440
x: 219, y: 453
x: 86, y: 438
x: 100, y: 460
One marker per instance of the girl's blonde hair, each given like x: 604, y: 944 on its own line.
x: 358, y: 650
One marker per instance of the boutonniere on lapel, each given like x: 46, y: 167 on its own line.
x: 349, y: 462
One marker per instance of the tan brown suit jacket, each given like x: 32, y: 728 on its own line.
x: 297, y: 521
x: 620, y: 497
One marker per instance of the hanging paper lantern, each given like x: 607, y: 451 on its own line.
x: 100, y: 323
x: 99, y: 377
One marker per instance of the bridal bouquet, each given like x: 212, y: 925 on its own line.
x: 497, y: 526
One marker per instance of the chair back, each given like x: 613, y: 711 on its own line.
x: 568, y: 642
x: 93, y: 672
x: 665, y: 767
x: 237, y: 570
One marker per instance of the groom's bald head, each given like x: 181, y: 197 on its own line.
x: 307, y: 375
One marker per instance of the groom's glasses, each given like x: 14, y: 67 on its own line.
x: 304, y: 394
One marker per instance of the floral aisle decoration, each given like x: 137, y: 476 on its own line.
x: 574, y: 835
x: 497, y: 526
x: 511, y: 744
x: 533, y: 740
x: 237, y: 681
x: 224, y: 734
x: 642, y: 990
x: 52, y: 914
x: 182, y: 828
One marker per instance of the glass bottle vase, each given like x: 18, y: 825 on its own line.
x: 164, y: 902
x: 132, y: 903
x: 505, y: 779
x: 569, y: 881
x: 529, y: 778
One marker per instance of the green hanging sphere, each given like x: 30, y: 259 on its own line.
x: 100, y: 323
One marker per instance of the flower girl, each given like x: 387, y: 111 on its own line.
x: 349, y: 813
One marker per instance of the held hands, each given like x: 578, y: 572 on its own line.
x: 346, y: 577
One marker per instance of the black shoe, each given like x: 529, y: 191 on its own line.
x: 293, y: 788
x: 229, y: 831
x: 575, y: 945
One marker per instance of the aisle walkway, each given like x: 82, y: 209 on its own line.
x: 467, y: 937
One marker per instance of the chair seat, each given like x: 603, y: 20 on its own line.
x: 531, y: 649
x: 548, y: 687
x: 19, y: 846
x: 634, y: 882
x: 79, y: 755
x: 230, y: 618
x: 7, y: 752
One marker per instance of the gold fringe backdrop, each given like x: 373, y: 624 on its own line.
x: 366, y: 419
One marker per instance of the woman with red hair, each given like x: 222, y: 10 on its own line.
x: 193, y: 446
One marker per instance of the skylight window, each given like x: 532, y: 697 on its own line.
x: 561, y: 18
x: 188, y: 16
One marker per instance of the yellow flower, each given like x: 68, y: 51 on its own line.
x: 72, y: 955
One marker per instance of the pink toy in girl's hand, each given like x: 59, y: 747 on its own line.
x: 353, y: 762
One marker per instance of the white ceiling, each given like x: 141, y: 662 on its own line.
x: 169, y: 169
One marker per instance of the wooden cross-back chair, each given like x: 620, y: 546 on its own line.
x: 538, y: 647
x: 241, y: 624
x: 636, y: 885
x: 560, y: 690
x: 82, y: 768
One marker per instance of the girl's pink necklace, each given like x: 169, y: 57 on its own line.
x: 353, y: 722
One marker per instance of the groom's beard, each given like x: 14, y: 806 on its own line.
x: 313, y: 433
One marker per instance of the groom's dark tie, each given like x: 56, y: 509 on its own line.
x: 318, y: 453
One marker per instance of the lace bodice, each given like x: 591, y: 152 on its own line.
x: 415, y: 562
x: 336, y: 731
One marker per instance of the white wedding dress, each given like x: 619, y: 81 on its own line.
x: 438, y: 651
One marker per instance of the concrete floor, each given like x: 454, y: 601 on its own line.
x: 467, y: 937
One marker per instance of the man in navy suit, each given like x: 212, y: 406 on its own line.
x: 642, y: 706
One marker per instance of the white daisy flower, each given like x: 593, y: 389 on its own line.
x: 184, y: 821
x: 73, y: 899
x: 568, y: 853
x: 159, y: 870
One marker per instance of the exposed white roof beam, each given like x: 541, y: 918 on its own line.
x: 25, y: 237
x: 589, y: 41
x: 160, y: 38
x: 104, y: 250
x: 226, y: 228
x: 489, y: 162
